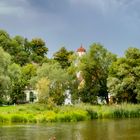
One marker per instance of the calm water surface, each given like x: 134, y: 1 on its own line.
x: 128, y: 129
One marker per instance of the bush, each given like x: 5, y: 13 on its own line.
x: 18, y: 118
x: 3, y: 119
x: 39, y: 113
x: 92, y: 114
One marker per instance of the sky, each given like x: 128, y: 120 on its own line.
x: 113, y: 23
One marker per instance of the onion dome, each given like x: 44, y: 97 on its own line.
x: 81, y: 49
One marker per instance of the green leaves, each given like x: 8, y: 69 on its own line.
x: 63, y: 57
x: 94, y: 68
x: 126, y: 70
x: 38, y: 47
x: 57, y: 80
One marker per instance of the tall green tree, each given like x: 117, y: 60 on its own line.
x: 20, y: 79
x: 22, y: 50
x: 15, y: 47
x: 28, y: 71
x: 16, y: 94
x: 63, y: 57
x: 38, y: 51
x: 4, y: 40
x: 94, y: 68
x: 58, y: 81
x: 17, y: 51
x: 124, y: 77
x: 39, y: 47
x: 5, y: 60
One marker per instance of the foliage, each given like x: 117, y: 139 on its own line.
x: 39, y: 113
x: 5, y: 61
x: 28, y: 71
x: 63, y: 57
x: 57, y: 81
x: 43, y: 90
x: 38, y: 47
x: 17, y: 86
x: 94, y: 68
x: 124, y: 77
x: 4, y: 39
x: 23, y: 61
x: 74, y: 83
x: 22, y: 50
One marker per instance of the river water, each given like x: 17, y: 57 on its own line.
x: 126, y: 129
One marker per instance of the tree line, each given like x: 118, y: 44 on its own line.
x: 24, y: 64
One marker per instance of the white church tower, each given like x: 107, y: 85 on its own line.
x: 81, y: 51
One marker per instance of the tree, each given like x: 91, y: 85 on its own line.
x: 16, y: 94
x: 63, y: 57
x: 20, y: 50
x: 94, y: 69
x: 58, y: 81
x: 43, y: 89
x: 23, y: 51
x: 124, y: 77
x: 16, y: 47
x: 5, y: 60
x: 38, y: 51
x: 20, y: 78
x: 4, y: 40
x: 28, y: 71
x: 38, y: 47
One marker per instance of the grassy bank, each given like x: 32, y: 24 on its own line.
x: 36, y: 113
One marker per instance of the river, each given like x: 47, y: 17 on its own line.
x: 126, y: 129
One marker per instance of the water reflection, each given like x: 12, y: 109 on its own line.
x: 128, y: 129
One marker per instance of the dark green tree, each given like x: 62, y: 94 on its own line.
x: 18, y: 52
x: 28, y: 71
x: 39, y: 47
x: 5, y: 84
x: 63, y: 57
x: 124, y: 77
x: 4, y: 40
x: 16, y: 95
x: 56, y: 80
x: 94, y: 68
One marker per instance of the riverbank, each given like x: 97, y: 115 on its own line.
x: 37, y: 113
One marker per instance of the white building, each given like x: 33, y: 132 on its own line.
x: 68, y: 98
x: 31, y: 95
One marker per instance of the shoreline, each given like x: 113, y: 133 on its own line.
x: 39, y: 113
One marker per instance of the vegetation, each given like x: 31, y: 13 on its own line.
x: 51, y: 82
x: 124, y: 77
x: 63, y: 57
x: 5, y: 60
x: 39, y: 113
x: 24, y: 65
x: 94, y: 67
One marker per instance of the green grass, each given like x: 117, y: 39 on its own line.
x: 38, y: 113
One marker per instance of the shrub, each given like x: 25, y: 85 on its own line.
x: 18, y: 118
x: 3, y: 119
x: 92, y: 114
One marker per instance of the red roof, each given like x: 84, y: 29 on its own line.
x: 81, y: 49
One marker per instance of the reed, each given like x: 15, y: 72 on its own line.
x: 38, y: 113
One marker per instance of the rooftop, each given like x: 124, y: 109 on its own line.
x: 81, y: 49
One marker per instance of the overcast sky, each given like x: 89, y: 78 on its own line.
x: 70, y: 23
